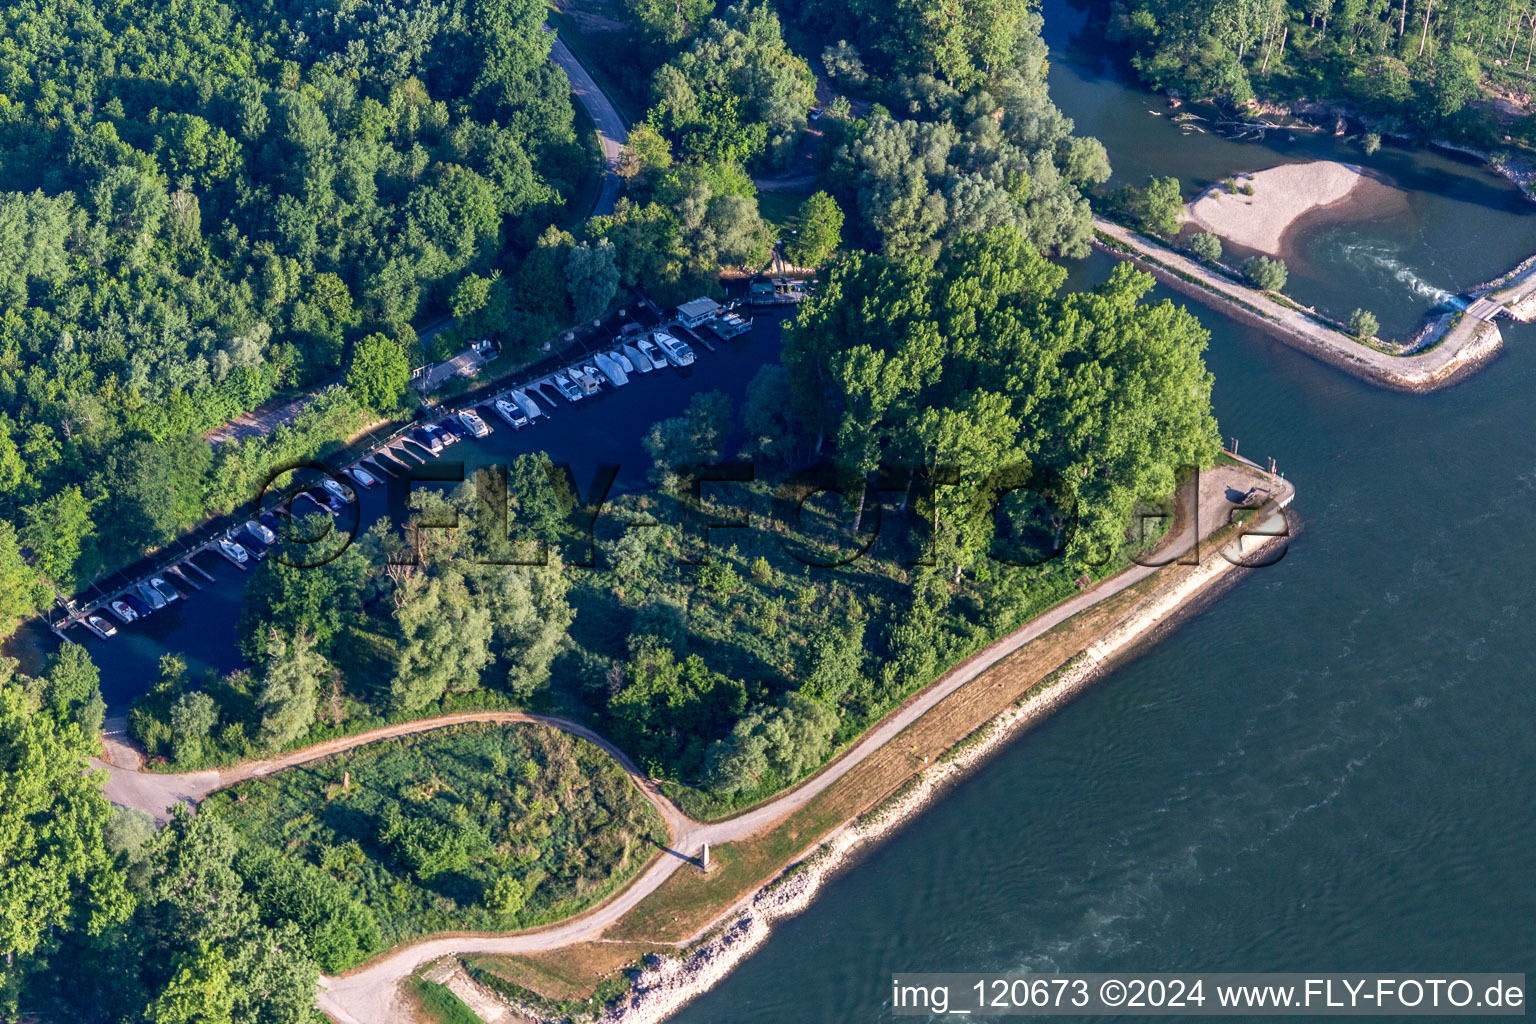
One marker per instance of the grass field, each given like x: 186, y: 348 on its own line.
x: 489, y: 828
x: 440, y: 1006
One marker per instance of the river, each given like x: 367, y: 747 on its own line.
x: 1332, y: 767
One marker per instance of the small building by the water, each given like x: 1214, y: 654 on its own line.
x: 697, y: 311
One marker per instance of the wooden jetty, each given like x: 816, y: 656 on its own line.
x: 242, y: 566
x: 194, y: 567
x: 175, y: 570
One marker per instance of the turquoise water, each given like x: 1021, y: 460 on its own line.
x: 1330, y: 768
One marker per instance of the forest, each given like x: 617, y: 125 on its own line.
x: 1423, y: 68
x: 209, y: 204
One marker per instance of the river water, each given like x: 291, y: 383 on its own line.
x: 1332, y: 767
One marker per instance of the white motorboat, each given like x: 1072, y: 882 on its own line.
x: 101, y: 625
x: 167, y: 591
x: 234, y: 552
x: 124, y: 612
x: 340, y: 490
x: 473, y: 423
x: 515, y: 417
x: 618, y: 356
x: 677, y: 352
x: 651, y: 351
x: 362, y: 476
x: 569, y: 391
x: 260, y: 532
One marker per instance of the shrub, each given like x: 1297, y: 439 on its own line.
x: 1205, y: 247
x: 505, y: 895
x: 1265, y: 273
x: 1370, y: 142
x: 1363, y: 324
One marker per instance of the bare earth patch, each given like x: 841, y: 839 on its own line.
x: 1281, y: 196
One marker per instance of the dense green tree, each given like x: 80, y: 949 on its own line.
x: 1363, y: 324
x: 818, y: 231
x: 669, y: 709
x: 193, y: 718
x: 1265, y: 273
x: 591, y: 278
x: 380, y: 372
x: 738, y: 93
x: 976, y: 364
x: 59, y: 531
x: 786, y: 740
x: 445, y: 638
x: 668, y: 21
x: 310, y: 589
x: 834, y: 660
x: 58, y: 874
x: 1205, y: 246
x: 695, y: 438
x: 767, y: 415
x: 286, y: 699
x: 1159, y: 208
x: 505, y: 895
x: 341, y: 931
x: 22, y: 593
x: 71, y: 689
x: 200, y: 992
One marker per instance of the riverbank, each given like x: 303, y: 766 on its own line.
x: 665, y: 987
x: 1267, y: 204
x: 1453, y: 345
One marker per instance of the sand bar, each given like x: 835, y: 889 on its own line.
x: 1281, y: 196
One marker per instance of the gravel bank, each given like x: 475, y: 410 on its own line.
x: 1281, y: 196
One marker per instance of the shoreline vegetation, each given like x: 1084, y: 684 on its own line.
x: 1023, y: 693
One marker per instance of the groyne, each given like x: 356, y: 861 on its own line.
x: 1452, y: 346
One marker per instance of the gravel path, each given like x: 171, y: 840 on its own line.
x: 367, y: 995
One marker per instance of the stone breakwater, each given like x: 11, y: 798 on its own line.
x: 664, y: 988
x: 1453, y: 346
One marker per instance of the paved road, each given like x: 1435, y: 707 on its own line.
x: 611, y: 131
